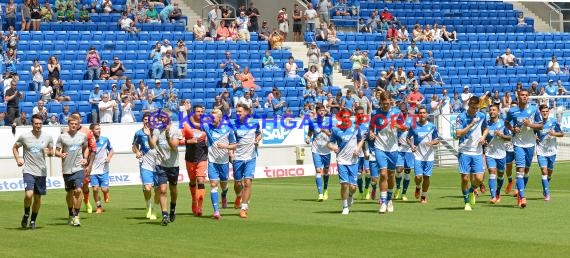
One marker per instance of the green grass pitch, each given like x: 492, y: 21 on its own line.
x: 286, y: 221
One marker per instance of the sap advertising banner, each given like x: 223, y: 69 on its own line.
x: 118, y: 179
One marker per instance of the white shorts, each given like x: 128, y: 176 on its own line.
x: 284, y: 27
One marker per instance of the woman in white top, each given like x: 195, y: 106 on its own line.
x: 331, y: 35
x: 435, y: 105
x: 46, y: 91
x: 403, y: 34
x: 37, y: 75
x: 312, y: 76
x: 291, y: 68
x: 436, y: 31
x: 314, y: 54
x: 553, y: 66
x: 127, y: 107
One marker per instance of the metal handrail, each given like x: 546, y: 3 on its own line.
x: 558, y: 11
x: 204, y: 17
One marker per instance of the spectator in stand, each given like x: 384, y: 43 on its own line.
x: 340, y: 9
x: 331, y: 35
x: 362, y: 27
x: 506, y: 102
x: 362, y: 101
x: 413, y: 51
x: 276, y: 40
x: 10, y: 61
x: 327, y: 64
x: 12, y: 38
x: 84, y: 15
x: 465, y: 96
x: 324, y: 8
x: 247, y: 79
x: 267, y: 61
x: 381, y: 52
x: 227, y: 13
x: 434, y: 77
x: 279, y: 104
x: 314, y: 55
x: 291, y: 68
x: 222, y: 32
x: 310, y: 18
x: 26, y: 15
x: 35, y: 14
x: 95, y: 5
x: 550, y: 88
x: 140, y: 13
x: 372, y: 22
x: 246, y: 100
x: 200, y: 31
x: 417, y: 34
x: 105, y: 72
x: 387, y: 15
x: 58, y: 93
x: 230, y: 67
x: 435, y: 105
x: 152, y: 15
x: 448, y: 35
x: 63, y: 116
x: 157, y: 66
x: 297, y: 23
x: 165, y: 46
x: 436, y: 32
x: 243, y: 28
x: 21, y: 120
x: 415, y: 99
x: 168, y: 65
x: 142, y: 91
x: 400, y: 74
x: 46, y: 12
x: 117, y: 69
x: 213, y: 20
x: 94, y: 98
x: 507, y: 59
x: 127, y: 115
x: 309, y: 94
x: 312, y: 76
x: 392, y: 88
x: 157, y: 95
x: 253, y: 15
x: 237, y: 89
x: 264, y: 32
x: 11, y: 8
x: 456, y: 103
x: 53, y: 120
x: 106, y: 108
x: 54, y: 68
x: 445, y: 103
x: 171, y: 91
x: 410, y: 80
x: 321, y: 33
x: 283, y: 22
x: 428, y: 33
x: 533, y: 90
x: 107, y: 6
x: 553, y: 67
x: 359, y: 62
x: 233, y: 30
x: 12, y: 98
x: 181, y: 54
x: 403, y: 34
x: 520, y: 20
x: 126, y: 24
x: 394, y: 51
x: 131, y: 6
x: 382, y: 82
x: 93, y: 62
x: 332, y: 104
x: 430, y: 60
x: 37, y: 72
x: 347, y: 101
x: 392, y: 33
x: 46, y: 91
x: 254, y: 99
x: 171, y: 13
x: 224, y: 104
x: 41, y: 110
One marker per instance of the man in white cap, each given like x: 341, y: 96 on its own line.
x: 465, y: 96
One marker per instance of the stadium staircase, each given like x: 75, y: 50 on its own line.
x: 192, y: 14
x: 539, y: 24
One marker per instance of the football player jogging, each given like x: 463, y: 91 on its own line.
x: 405, y: 162
x: 510, y: 158
x: 496, y: 151
x: 346, y: 142
x: 71, y: 147
x: 100, y: 170
x: 319, y: 139
x: 522, y: 121
x: 147, y: 164
x: 247, y: 136
x: 425, y: 136
x: 165, y: 141
x: 383, y: 129
x: 469, y: 128
x: 363, y: 160
x: 546, y: 148
x: 220, y: 139
x: 35, y: 144
x: 196, y: 158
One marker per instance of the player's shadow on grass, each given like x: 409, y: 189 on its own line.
x: 314, y: 200
x: 351, y: 211
x: 136, y: 218
x: 22, y: 229
x: 135, y: 209
x: 452, y: 197
x: 456, y: 208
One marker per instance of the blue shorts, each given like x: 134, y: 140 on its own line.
x: 523, y: 156
x: 35, y: 183
x: 423, y: 168
x: 101, y: 180
x: 244, y: 169
x: 547, y: 162
x: 321, y: 161
x: 374, y: 171
x: 167, y: 175
x: 149, y: 177
x: 218, y: 172
x: 73, y: 181
x: 355, y: 75
x: 363, y: 164
x: 406, y: 160
x: 510, y: 157
x: 471, y: 164
x: 347, y: 173
x: 386, y: 159
x: 498, y: 164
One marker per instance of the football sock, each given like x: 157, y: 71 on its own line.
x: 510, y: 178
x: 389, y: 195
x: 224, y: 192
x: 406, y: 183
x: 359, y: 183
x: 99, y: 204
x: 192, y: 192
x: 500, y: 181
x: 548, y: 178
x: 319, y: 182
x: 398, y: 180
x: 384, y: 196
x: 545, y: 185
x: 70, y: 210
x: 34, y: 216
x: 200, y: 194
x: 214, y: 198
x: 493, y: 185
x: 525, y: 178
x: 75, y: 212
x: 172, y: 207
x: 466, y: 195
x: 520, y: 184
x: 367, y: 181
x: 165, y: 214
x: 26, y: 211
x: 326, y: 181
x: 345, y: 203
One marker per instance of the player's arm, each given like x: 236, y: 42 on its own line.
x: 136, y: 151
x: 172, y: 140
x: 16, y: 153
x: 309, y: 136
x: 460, y: 132
x: 556, y: 131
x: 505, y: 135
x: 332, y: 147
x: 152, y: 139
x: 434, y: 137
x: 110, y: 154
